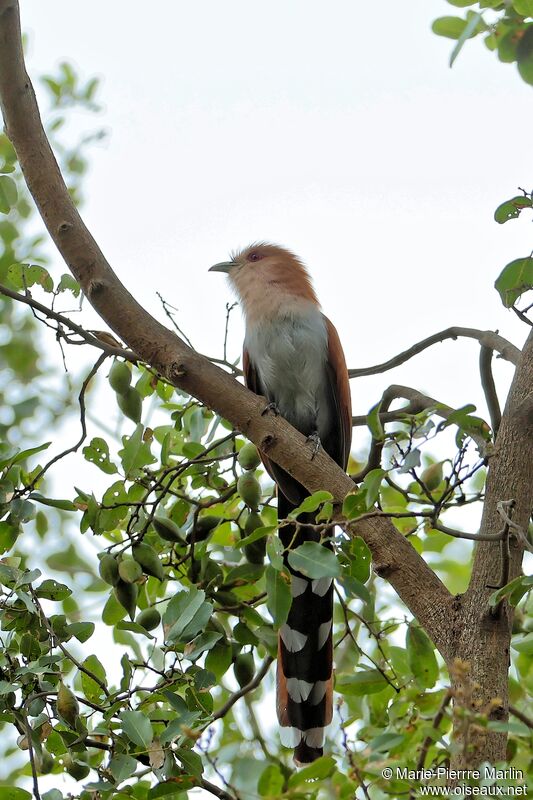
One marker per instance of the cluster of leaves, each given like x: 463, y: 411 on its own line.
x: 192, y: 583
x: 507, y: 28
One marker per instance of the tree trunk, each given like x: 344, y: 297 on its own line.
x: 479, y: 669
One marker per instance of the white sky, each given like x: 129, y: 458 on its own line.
x: 338, y: 131
x: 334, y: 129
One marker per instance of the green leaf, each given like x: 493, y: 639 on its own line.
x: 12, y: 793
x: 186, y: 615
x: 278, y: 596
x: 259, y: 533
x: 271, y: 781
x: 524, y: 55
x: 523, y: 7
x: 314, y: 560
x: 137, y: 728
x: 515, y: 279
x: 514, y: 591
x: 372, y: 485
x: 81, y: 630
x: 322, y: 768
x: 136, y: 452
x: 24, y: 454
x: 98, y: 453
x: 524, y: 645
x: 218, y: 660
x: 421, y: 657
x: 374, y: 423
x: 190, y: 761
x: 23, y: 276
x: 311, y: 503
x: 64, y: 505
x: 205, y: 641
x: 367, y: 681
x: 8, y: 194
x: 91, y: 689
x: 451, y: 27
x: 472, y: 27
x: 512, y: 208
x: 52, y: 590
x: 360, y: 559
x: 354, y: 504
x: 122, y: 766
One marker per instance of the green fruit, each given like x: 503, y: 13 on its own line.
x: 206, y: 524
x: 108, y: 569
x: 146, y: 556
x: 131, y: 404
x: 74, y: 768
x: 248, y: 456
x: 67, y: 705
x: 120, y: 377
x: 126, y: 594
x: 129, y: 570
x: 432, y: 476
x: 255, y: 551
x: 168, y: 530
x: 47, y: 762
x: 149, y: 618
x: 249, y: 489
x: 244, y: 668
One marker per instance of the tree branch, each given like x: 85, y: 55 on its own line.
x: 489, y: 339
x: 489, y: 388
x: 394, y: 557
x: 253, y: 684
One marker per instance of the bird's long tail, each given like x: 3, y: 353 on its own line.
x: 305, y: 652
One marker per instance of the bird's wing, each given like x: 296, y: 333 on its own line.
x: 341, y: 439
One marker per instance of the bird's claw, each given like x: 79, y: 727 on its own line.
x: 270, y: 407
x: 314, y: 439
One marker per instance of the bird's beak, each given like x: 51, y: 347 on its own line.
x: 224, y: 266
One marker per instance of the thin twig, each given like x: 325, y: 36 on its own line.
x: 521, y: 716
x: 61, y: 646
x: 488, y: 338
x: 216, y: 790
x: 31, y: 754
x: 88, y: 337
x: 75, y: 447
x: 253, y: 684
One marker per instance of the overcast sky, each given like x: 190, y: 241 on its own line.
x: 336, y: 129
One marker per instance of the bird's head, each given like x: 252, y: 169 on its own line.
x: 267, y: 271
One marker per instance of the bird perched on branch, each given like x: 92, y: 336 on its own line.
x: 293, y: 357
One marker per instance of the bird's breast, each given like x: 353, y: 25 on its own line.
x: 289, y: 353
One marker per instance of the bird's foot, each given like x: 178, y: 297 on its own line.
x: 314, y: 439
x: 270, y: 407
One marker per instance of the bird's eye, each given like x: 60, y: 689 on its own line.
x: 254, y: 256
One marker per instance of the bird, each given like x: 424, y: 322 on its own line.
x: 293, y: 357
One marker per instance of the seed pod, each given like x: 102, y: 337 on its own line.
x: 74, y: 768
x: 150, y: 618
x: 131, y: 404
x: 147, y: 557
x: 47, y: 762
x: 120, y: 377
x: 67, y: 705
x: 129, y: 570
x: 248, y: 456
x: 108, y: 569
x: 255, y: 551
x: 168, y: 530
x: 126, y: 594
x: 249, y: 489
x: 432, y: 476
x: 244, y: 668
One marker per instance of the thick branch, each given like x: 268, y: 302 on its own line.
x: 394, y: 557
x: 488, y: 339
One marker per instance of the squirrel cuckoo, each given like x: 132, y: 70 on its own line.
x: 293, y: 357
